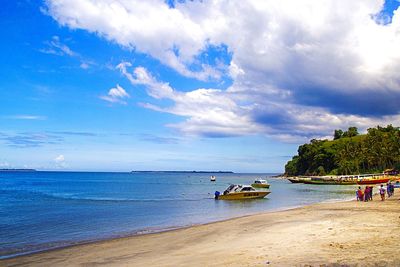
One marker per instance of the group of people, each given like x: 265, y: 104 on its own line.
x: 390, y: 189
x: 366, y: 195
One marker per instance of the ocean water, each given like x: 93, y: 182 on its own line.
x: 45, y: 210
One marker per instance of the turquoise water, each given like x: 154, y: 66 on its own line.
x: 44, y: 210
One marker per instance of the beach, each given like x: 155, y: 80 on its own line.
x: 346, y: 233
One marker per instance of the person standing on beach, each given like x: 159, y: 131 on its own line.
x: 382, y: 192
x: 371, y: 188
x: 359, y: 194
x: 366, y: 193
x: 391, y: 189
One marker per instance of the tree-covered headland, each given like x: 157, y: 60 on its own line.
x: 349, y: 153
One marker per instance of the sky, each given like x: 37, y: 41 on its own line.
x: 118, y: 85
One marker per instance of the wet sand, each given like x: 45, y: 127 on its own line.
x: 328, y: 234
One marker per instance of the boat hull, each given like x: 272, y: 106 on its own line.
x: 373, y: 181
x: 260, y: 185
x: 244, y: 195
x: 298, y: 180
x: 330, y: 182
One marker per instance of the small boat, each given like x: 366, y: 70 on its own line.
x: 240, y: 192
x: 260, y: 183
x: 340, y: 181
x: 294, y: 180
x: 378, y: 180
x: 213, y: 178
x: 297, y: 180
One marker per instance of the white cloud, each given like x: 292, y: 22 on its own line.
x: 84, y: 65
x: 56, y: 47
x: 116, y: 95
x: 5, y: 165
x: 218, y: 113
x: 60, y: 161
x: 299, y: 68
x: 59, y: 158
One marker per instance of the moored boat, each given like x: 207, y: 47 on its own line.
x: 240, y: 192
x: 297, y: 180
x: 294, y: 180
x: 331, y: 181
x: 379, y: 180
x: 213, y: 178
x: 260, y: 183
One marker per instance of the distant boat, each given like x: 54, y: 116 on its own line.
x: 297, y: 180
x: 330, y: 181
x: 240, y: 192
x: 260, y: 183
x: 213, y: 178
x: 373, y: 181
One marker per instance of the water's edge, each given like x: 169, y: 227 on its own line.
x: 163, y: 230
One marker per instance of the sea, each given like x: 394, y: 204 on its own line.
x: 45, y: 210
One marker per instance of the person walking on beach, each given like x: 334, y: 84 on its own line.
x: 389, y: 193
x: 382, y: 192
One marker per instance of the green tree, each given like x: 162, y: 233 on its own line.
x: 337, y: 134
x: 352, y: 153
x: 351, y: 132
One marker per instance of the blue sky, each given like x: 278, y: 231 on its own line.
x: 198, y: 85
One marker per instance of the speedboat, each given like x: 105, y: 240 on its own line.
x: 260, y: 183
x: 239, y: 192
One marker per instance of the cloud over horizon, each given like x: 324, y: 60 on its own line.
x: 299, y: 69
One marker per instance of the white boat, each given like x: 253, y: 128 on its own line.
x: 213, y: 178
x: 239, y: 192
x: 260, y: 183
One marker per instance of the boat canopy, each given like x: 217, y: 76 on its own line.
x: 247, y: 188
x: 260, y: 181
x: 233, y: 188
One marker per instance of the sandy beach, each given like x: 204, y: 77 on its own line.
x: 328, y: 234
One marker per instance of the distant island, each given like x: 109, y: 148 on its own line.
x: 182, y: 171
x: 17, y: 170
x: 349, y: 153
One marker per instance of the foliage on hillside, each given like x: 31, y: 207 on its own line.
x: 349, y: 153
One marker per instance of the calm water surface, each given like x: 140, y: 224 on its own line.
x: 43, y: 210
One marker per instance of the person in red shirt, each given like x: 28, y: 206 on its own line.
x: 360, y: 195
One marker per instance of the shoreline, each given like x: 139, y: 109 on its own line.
x: 149, y: 232
x: 143, y: 232
x: 195, y: 242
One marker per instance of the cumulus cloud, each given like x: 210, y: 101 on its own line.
x: 59, y: 158
x: 218, y: 113
x: 299, y: 68
x: 60, y: 161
x: 116, y: 95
